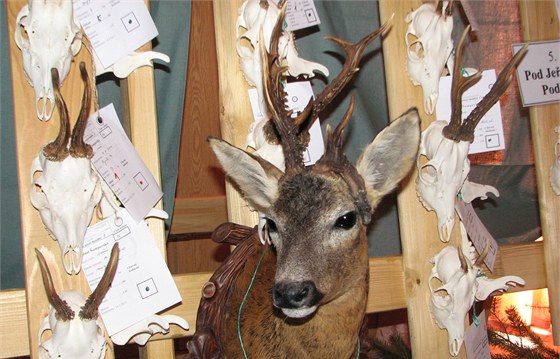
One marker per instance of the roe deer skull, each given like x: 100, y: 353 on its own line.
x: 462, y: 283
x: 49, y: 36
x: 80, y: 336
x: 67, y: 188
x: 442, y: 163
x: 428, y: 48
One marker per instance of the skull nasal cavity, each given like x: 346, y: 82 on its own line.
x: 293, y: 295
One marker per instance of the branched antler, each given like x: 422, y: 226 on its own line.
x: 459, y: 130
x: 293, y: 133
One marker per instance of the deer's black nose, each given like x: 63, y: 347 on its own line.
x: 294, y: 295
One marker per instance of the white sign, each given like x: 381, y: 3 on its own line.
x: 117, y: 161
x: 142, y: 286
x: 297, y: 96
x: 300, y: 14
x: 538, y: 74
x: 477, y: 345
x: 489, y: 134
x: 115, y: 28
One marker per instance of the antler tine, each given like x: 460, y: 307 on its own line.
x: 448, y: 9
x: 459, y: 85
x: 499, y: 87
x: 78, y: 148
x: 482, y: 255
x: 462, y: 260
x: 89, y: 309
x: 57, y: 150
x: 63, y: 310
x: 354, y: 54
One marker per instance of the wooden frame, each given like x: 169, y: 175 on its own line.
x: 403, y: 277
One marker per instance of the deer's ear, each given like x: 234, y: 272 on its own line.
x: 256, y: 178
x: 388, y: 159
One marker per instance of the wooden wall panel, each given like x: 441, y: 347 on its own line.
x: 200, y: 198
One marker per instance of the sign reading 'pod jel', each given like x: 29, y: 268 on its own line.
x: 538, y: 73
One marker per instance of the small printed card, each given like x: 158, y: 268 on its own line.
x: 476, y: 339
x: 300, y: 14
x: 489, y: 134
x: 115, y: 27
x: 538, y: 74
x: 142, y: 286
x: 477, y: 232
x: 117, y: 161
x: 298, y: 95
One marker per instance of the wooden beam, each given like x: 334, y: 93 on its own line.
x: 198, y: 215
x: 540, y: 22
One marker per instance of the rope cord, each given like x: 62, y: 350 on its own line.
x: 243, y: 303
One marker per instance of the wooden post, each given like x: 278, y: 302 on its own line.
x: 419, y: 236
x: 540, y: 22
x: 235, y: 109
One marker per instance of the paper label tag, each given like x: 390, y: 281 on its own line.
x: 142, y: 286
x: 476, y: 341
x: 538, y: 74
x: 117, y: 161
x: 300, y: 14
x: 298, y: 95
x: 489, y: 134
x: 477, y: 232
x: 115, y: 27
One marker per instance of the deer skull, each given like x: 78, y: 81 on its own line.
x: 428, y: 48
x: 445, y: 146
x: 462, y: 284
x: 257, y: 18
x: 68, y: 189
x: 74, y: 336
x: 555, y: 168
x: 49, y: 36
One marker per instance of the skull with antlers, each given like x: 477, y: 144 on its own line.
x: 68, y: 189
x: 80, y: 336
x: 446, y: 146
x: 460, y: 274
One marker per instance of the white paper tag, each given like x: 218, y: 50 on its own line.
x: 476, y: 341
x: 142, y: 286
x: 115, y: 27
x: 477, y: 232
x: 298, y: 95
x: 300, y: 14
x: 489, y: 134
x: 117, y: 161
x: 538, y: 74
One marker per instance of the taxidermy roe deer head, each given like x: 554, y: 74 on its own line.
x: 313, y: 303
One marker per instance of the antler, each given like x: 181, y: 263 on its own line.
x: 63, y: 310
x: 459, y: 130
x: 293, y: 133
x: 57, y: 149
x: 78, y: 148
x: 89, y: 310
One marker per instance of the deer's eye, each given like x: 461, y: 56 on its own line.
x: 346, y: 221
x: 271, y: 225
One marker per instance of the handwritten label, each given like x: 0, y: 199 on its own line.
x: 477, y: 232
x: 477, y: 345
x: 117, y: 161
x: 115, y: 27
x: 538, y: 74
x: 489, y: 134
x: 300, y: 14
x: 142, y: 285
x: 298, y: 95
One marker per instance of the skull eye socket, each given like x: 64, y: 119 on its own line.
x: 415, y: 47
x: 346, y: 221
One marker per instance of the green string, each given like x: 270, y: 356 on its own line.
x: 243, y: 302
